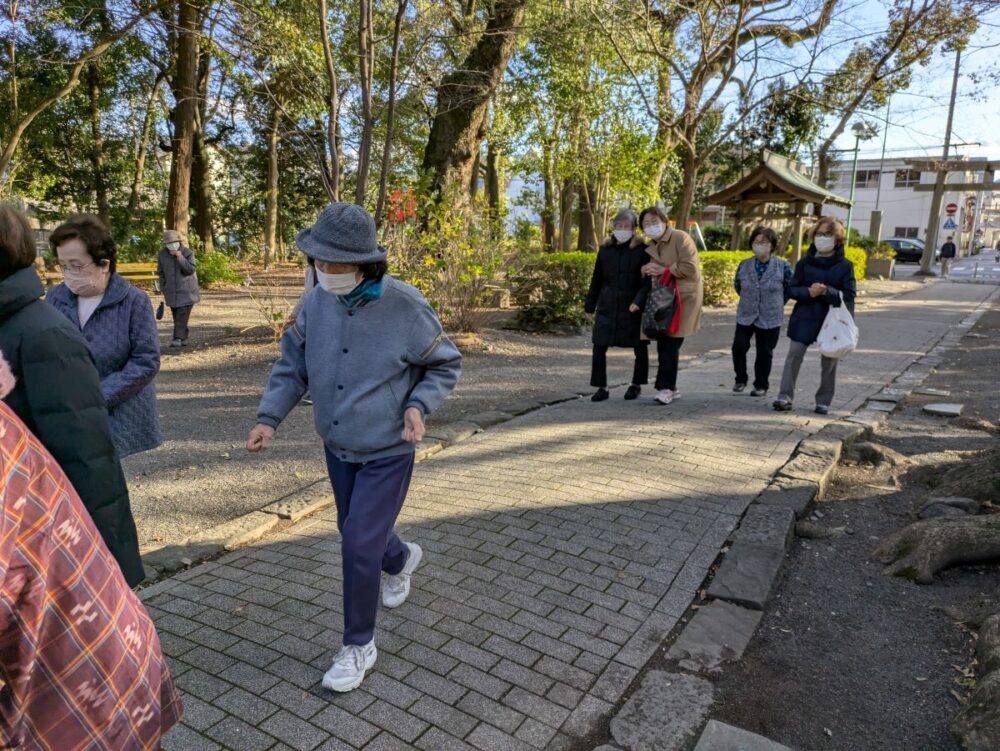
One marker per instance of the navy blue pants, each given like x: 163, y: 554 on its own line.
x: 369, y: 497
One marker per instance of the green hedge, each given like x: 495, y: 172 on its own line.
x: 551, y: 288
x: 859, y: 258
x: 216, y: 268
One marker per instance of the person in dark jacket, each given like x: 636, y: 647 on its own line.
x: 822, y: 279
x: 948, y: 251
x: 58, y: 393
x: 376, y: 360
x: 117, y: 321
x: 616, y: 297
x: 177, y: 269
x: 762, y: 283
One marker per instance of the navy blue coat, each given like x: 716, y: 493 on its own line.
x: 121, y: 335
x: 616, y: 284
x: 837, y: 273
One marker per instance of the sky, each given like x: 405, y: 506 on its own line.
x: 918, y: 116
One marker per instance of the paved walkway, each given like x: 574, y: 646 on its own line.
x: 561, y: 548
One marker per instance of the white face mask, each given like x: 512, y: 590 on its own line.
x: 824, y: 244
x: 337, y: 284
x: 173, y: 246
x: 655, y: 230
x: 762, y: 250
x: 621, y: 235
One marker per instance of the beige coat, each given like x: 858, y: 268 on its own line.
x: 676, y: 250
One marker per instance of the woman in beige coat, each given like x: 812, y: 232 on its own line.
x: 674, y: 250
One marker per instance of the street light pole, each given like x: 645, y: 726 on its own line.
x: 854, y: 184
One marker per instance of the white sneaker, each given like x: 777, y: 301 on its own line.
x: 349, y: 667
x: 666, y: 396
x: 397, y: 586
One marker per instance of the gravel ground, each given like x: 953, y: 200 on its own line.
x: 846, y: 658
x: 208, y: 395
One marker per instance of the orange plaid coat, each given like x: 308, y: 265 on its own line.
x: 80, y: 661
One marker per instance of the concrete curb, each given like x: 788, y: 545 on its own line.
x: 752, y: 564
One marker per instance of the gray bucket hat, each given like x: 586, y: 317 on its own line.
x: 343, y: 233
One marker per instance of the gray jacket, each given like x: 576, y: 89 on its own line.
x: 178, y: 278
x: 363, y: 368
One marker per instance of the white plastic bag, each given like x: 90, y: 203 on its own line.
x: 839, y: 335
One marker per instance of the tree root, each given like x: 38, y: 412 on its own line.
x: 922, y: 549
x: 977, y: 727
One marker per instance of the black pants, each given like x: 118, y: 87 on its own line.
x: 767, y: 340
x: 181, y: 318
x: 668, y: 355
x: 599, y: 366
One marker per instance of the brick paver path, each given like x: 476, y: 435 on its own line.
x: 560, y: 549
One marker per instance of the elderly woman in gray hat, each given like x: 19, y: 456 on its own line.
x: 616, y: 297
x: 376, y: 361
x: 177, y: 271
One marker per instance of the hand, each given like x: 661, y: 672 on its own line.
x: 633, y: 308
x: 653, y: 269
x: 260, y: 438
x: 817, y: 289
x: 413, y: 421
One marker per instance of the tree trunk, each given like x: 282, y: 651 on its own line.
x: 201, y: 177
x: 331, y: 175
x: 140, y: 154
x: 567, y: 203
x: 493, y: 195
x: 12, y: 59
x: 271, y: 189
x: 977, y: 727
x: 182, y: 144
x: 477, y: 169
x: 390, y: 117
x: 549, y: 200
x: 689, y: 184
x: 97, y: 143
x: 463, y: 98
x: 922, y: 549
x: 664, y: 111
x: 366, y: 63
x: 587, y: 219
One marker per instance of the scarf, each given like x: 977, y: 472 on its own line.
x: 366, y: 292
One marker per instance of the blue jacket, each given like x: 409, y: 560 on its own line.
x: 121, y: 335
x: 363, y: 367
x: 837, y: 273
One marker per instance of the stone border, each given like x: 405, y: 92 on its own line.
x: 749, y: 570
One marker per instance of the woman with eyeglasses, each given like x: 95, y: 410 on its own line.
x: 58, y: 393
x: 823, y: 279
x: 117, y: 321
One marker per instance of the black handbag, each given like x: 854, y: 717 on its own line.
x: 658, y: 315
x: 159, y: 312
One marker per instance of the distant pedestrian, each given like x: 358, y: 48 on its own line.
x: 80, y: 662
x: 117, y: 321
x: 948, y: 251
x: 674, y: 251
x: 58, y: 393
x: 616, y: 297
x: 822, y: 279
x: 177, y: 269
x: 762, y: 283
x: 377, y: 362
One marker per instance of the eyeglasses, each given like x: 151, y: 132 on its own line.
x: 76, y: 268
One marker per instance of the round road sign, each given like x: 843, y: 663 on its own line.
x: 951, y: 208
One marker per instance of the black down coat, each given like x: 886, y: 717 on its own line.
x: 58, y: 396
x: 837, y: 273
x: 617, y: 283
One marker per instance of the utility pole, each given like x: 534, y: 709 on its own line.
x: 935, y: 218
x: 881, y: 163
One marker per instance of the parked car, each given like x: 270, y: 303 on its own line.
x: 908, y: 249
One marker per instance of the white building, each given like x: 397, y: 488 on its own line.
x: 888, y: 186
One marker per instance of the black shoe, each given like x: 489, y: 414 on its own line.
x: 633, y: 392
x: 739, y: 388
x: 782, y: 405
x: 600, y: 396
x: 758, y: 392
x: 822, y: 409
